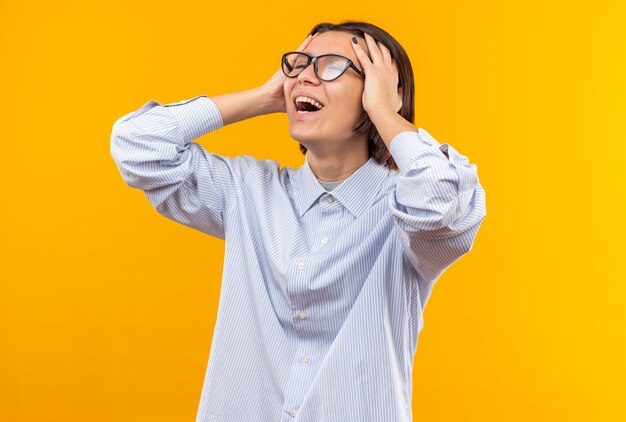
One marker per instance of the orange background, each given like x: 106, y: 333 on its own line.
x: 107, y: 308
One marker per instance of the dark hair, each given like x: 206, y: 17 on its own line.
x: 376, y: 146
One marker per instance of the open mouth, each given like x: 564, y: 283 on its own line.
x: 307, y: 105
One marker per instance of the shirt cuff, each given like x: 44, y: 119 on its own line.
x: 197, y: 116
x: 408, y: 145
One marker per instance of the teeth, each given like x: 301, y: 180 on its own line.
x: 309, y: 100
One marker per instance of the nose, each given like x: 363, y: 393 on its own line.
x: 308, y: 75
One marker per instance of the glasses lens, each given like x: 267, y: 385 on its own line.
x: 331, y: 67
x: 294, y: 63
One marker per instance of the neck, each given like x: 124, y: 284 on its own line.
x: 333, y: 163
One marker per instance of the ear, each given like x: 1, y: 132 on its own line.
x: 399, y: 99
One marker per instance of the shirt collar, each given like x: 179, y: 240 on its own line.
x: 355, y: 193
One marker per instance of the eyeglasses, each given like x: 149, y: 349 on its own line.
x: 327, y: 67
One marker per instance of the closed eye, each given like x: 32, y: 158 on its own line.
x: 336, y: 67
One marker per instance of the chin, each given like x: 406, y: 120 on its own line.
x: 304, y: 138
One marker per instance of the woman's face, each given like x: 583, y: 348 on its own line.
x: 341, y: 98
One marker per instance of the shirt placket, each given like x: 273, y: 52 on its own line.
x: 305, y: 359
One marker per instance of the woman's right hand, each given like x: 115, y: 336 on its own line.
x: 265, y: 99
x: 273, y: 88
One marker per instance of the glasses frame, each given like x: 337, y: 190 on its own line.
x: 314, y: 59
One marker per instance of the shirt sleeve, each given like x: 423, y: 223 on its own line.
x: 154, y: 151
x: 438, y: 203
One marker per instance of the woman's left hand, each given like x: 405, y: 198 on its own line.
x: 381, y: 91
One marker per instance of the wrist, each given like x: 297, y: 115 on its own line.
x: 257, y: 103
x: 379, y: 113
x: 389, y: 123
x: 241, y: 105
x: 264, y: 102
x: 375, y: 109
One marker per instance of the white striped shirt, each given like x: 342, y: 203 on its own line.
x: 322, y: 292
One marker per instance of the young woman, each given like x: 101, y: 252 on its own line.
x: 328, y: 267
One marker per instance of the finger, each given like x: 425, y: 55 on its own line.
x: 303, y: 44
x: 374, y: 50
x: 385, y: 53
x: 394, y: 64
x: 306, y: 42
x: 362, y: 56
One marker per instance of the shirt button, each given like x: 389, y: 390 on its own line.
x: 301, y: 266
x: 293, y: 413
x: 324, y: 240
x: 304, y: 359
x: 330, y: 199
x: 302, y: 315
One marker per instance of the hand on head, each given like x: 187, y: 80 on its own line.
x: 273, y: 88
x: 381, y: 76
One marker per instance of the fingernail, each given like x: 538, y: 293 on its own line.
x: 354, y: 40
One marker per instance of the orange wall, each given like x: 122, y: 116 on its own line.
x: 107, y: 309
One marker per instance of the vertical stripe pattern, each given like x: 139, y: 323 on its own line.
x: 323, y: 292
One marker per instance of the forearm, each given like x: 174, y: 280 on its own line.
x: 242, y: 105
x: 389, y: 123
